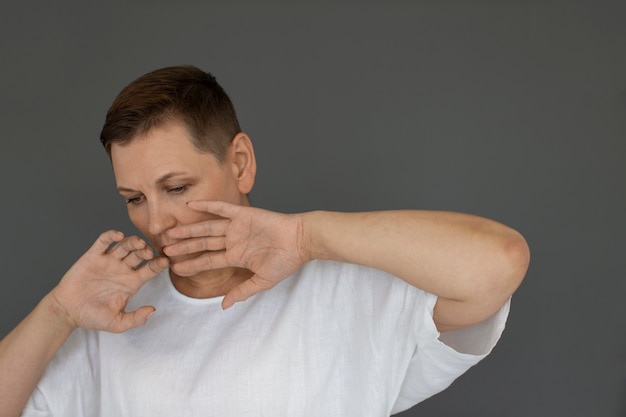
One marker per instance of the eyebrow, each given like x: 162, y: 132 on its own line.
x: 163, y: 178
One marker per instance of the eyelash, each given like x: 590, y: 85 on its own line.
x: 179, y: 189
x: 134, y: 200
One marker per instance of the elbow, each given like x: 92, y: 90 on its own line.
x: 501, y: 272
x: 506, y: 275
x: 505, y: 269
x: 516, y: 256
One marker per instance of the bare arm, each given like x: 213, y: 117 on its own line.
x: 92, y: 294
x: 471, y: 263
x: 25, y: 353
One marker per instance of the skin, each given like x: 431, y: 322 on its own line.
x: 194, y: 211
x: 218, y: 245
x: 93, y: 295
x: 158, y: 173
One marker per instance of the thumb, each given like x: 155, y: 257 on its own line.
x: 134, y: 319
x: 245, y: 290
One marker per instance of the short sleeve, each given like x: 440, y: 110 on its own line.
x: 36, y: 406
x: 69, y: 385
x: 441, y: 358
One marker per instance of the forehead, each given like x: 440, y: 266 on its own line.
x: 160, y: 150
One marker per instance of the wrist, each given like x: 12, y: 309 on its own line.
x: 57, y: 313
x: 312, y: 243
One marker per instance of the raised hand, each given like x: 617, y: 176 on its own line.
x: 271, y: 245
x: 95, y: 291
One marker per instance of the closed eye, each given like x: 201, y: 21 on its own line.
x: 177, y: 189
x: 135, y: 200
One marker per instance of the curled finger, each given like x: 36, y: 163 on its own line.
x: 151, y: 268
x: 121, y: 249
x: 105, y: 240
x: 136, y: 257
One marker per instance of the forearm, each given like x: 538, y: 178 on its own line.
x: 25, y: 353
x: 93, y: 294
x: 464, y: 259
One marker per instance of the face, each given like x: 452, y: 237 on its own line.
x: 159, y: 172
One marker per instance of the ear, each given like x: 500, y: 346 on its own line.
x: 243, y: 162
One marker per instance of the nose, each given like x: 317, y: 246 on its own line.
x: 161, y: 218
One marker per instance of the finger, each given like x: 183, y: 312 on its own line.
x: 125, y: 246
x: 188, y: 246
x: 220, y: 208
x: 133, y: 319
x: 106, y: 239
x: 207, y: 228
x: 246, y: 290
x: 151, y: 269
x: 134, y: 258
x: 205, y: 262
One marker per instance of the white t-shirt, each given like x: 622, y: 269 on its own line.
x: 333, y: 339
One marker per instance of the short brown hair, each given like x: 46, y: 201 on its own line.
x: 182, y: 93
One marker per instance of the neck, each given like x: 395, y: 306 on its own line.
x: 208, y: 284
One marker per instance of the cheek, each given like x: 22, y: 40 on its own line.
x: 188, y: 216
x: 220, y: 190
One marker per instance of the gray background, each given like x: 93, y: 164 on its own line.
x: 510, y: 110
